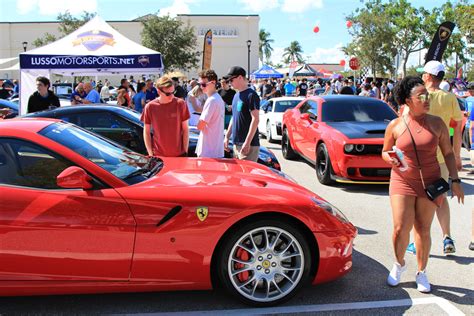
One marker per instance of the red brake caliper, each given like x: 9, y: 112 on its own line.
x: 244, y: 256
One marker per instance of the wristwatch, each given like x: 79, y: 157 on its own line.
x: 456, y: 180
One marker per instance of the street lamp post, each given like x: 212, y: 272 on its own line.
x: 24, y: 46
x: 249, y: 42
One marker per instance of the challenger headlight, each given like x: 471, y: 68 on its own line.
x: 331, y: 209
x: 359, y: 148
x: 348, y: 148
x: 284, y: 175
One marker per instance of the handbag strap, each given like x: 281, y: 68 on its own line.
x: 416, y: 152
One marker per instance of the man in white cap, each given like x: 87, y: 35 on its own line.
x: 444, y: 105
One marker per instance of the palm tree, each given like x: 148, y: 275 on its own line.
x: 264, y: 47
x: 293, y: 53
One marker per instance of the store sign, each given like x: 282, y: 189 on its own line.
x: 219, y: 31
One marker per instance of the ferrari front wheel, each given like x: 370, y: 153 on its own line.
x: 264, y: 263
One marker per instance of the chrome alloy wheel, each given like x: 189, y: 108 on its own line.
x: 266, y: 264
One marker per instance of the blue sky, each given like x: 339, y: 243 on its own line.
x: 286, y: 20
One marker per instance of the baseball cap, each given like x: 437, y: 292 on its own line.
x: 470, y: 86
x: 235, y: 71
x: 434, y: 68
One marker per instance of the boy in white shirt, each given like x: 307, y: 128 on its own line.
x: 211, y: 122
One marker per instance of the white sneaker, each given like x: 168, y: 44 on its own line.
x: 422, y: 283
x: 396, y: 273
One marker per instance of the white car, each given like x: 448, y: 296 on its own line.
x: 271, y: 116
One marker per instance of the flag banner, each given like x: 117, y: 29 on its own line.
x: 207, y: 51
x: 292, y: 69
x: 440, y: 42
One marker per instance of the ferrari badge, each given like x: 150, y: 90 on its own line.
x: 202, y: 212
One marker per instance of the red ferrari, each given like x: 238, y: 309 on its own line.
x: 81, y: 214
x: 341, y: 135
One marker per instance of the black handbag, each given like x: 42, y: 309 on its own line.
x: 436, y: 188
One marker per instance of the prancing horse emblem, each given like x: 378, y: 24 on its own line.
x: 202, y: 212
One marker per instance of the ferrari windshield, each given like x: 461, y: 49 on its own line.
x: 357, y: 109
x: 121, y: 162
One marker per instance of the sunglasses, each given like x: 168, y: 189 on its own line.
x: 204, y: 84
x: 167, y: 93
x: 423, y: 97
x: 231, y: 78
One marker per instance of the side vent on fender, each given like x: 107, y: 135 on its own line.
x: 175, y: 210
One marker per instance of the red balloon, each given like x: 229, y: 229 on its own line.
x: 349, y: 24
x: 316, y: 29
x: 342, y: 62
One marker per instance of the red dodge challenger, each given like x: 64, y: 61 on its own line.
x: 341, y: 135
x: 81, y: 214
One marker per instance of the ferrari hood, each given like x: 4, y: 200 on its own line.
x: 214, y: 172
x: 360, y: 129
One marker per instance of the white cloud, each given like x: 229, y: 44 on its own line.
x: 277, y: 55
x: 26, y: 6
x: 47, y: 7
x: 332, y: 55
x: 260, y: 5
x: 178, y: 7
x: 300, y: 6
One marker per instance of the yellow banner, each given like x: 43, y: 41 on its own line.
x: 207, y: 51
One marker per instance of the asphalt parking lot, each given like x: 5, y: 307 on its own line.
x: 363, y: 291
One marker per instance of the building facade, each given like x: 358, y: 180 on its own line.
x: 230, y: 36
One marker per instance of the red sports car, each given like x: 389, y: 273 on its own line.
x: 342, y: 135
x: 81, y: 214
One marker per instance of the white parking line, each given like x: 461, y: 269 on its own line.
x: 444, y: 304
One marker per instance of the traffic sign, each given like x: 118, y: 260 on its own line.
x: 354, y: 63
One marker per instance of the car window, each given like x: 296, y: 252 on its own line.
x: 26, y: 164
x: 356, y: 110
x: 309, y: 106
x: 100, y: 120
x: 282, y: 106
x: 110, y: 156
x: 313, y: 107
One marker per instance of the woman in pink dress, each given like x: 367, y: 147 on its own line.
x: 410, y: 204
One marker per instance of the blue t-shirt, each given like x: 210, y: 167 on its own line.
x: 93, y: 96
x: 137, y: 100
x: 289, y: 88
x: 81, y: 95
x: 151, y: 94
x: 243, y: 104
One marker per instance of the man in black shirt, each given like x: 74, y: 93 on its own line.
x: 43, y: 98
x: 302, y: 89
x: 179, y: 91
x: 227, y: 94
x: 245, y: 116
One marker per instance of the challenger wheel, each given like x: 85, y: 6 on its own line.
x: 264, y: 263
x: 286, y: 149
x: 323, y: 165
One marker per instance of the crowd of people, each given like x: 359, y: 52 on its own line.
x: 228, y: 109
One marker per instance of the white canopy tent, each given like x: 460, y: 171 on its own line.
x: 94, y: 49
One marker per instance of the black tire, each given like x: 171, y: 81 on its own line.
x: 286, y: 149
x: 271, y: 227
x: 323, y: 166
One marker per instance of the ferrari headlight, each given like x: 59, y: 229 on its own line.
x: 331, y: 209
x: 348, y: 148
